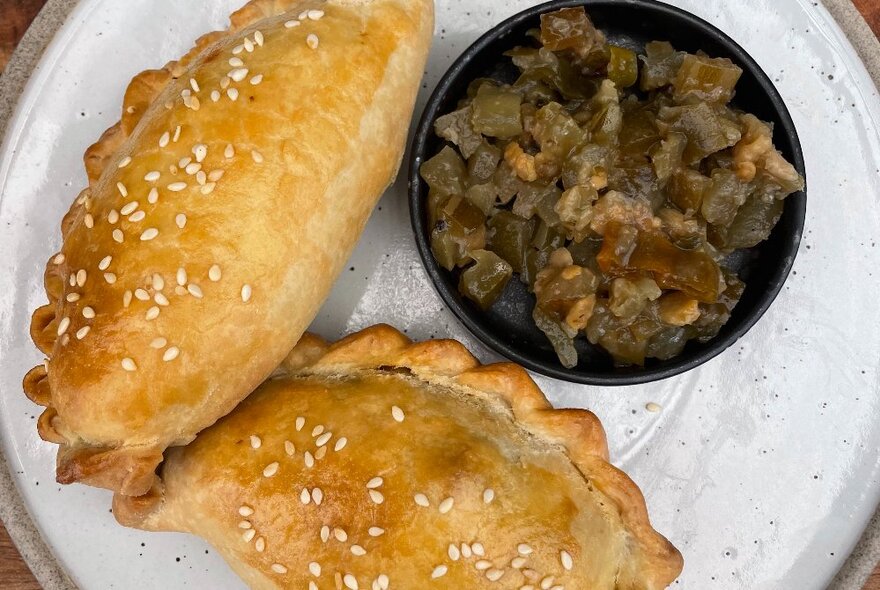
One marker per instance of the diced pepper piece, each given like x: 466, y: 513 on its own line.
x: 587, y: 166
x: 617, y: 207
x: 662, y: 63
x: 560, y: 338
x: 484, y: 282
x: 536, y: 198
x: 534, y: 263
x: 445, y: 173
x: 630, y: 296
x: 755, y: 152
x: 483, y: 162
x: 667, y: 343
x: 556, y: 133
x: 725, y: 196
x: 752, y: 225
x: 509, y: 237
x: 457, y: 128
x: 571, y: 30
x: 483, y: 196
x: 686, y: 189
x: 545, y: 67
x: 702, y: 126
x: 460, y: 229
x: 575, y: 209
x: 666, y: 158
x: 705, y: 79
x: 623, y: 67
x: 546, y: 236
x: 496, y: 112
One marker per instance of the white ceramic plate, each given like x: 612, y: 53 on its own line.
x: 763, y: 465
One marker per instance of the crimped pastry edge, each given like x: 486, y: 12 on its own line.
x: 448, y: 363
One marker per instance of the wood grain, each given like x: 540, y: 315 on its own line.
x: 15, y: 16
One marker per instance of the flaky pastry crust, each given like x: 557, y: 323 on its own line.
x: 219, y: 211
x: 436, y: 471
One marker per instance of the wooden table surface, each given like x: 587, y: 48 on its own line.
x: 15, y: 16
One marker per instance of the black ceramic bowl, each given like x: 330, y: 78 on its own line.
x: 508, y: 327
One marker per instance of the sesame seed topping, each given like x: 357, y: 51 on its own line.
x: 208, y: 188
x: 89, y: 221
x: 477, y: 548
x: 340, y: 535
x: 256, y: 443
x: 376, y: 496
x: 193, y: 168
x: 153, y: 196
x: 493, y: 575
x: 184, y: 162
x: 315, y: 568
x: 81, y: 333
x: 88, y: 313
x: 158, y: 282
x: 180, y: 220
x: 350, y: 582
x: 246, y: 293
x: 315, y: 14
x: 325, y: 533
x: 245, y: 510
x: 523, y: 549
x: 383, y: 581
x: 225, y: 82
x: 124, y: 162
x: 312, y: 41
x: 289, y: 448
x: 81, y: 277
x: 270, y: 469
x: 291, y: 23
x: 375, y: 531
x: 260, y: 545
x: 566, y: 560
x: 152, y: 313
x: 181, y: 277
x: 229, y: 152
x: 653, y: 407
x: 149, y: 234
x: 248, y: 45
x: 309, y: 460
x: 171, y: 354
x: 488, y: 495
x: 446, y: 505
x: 142, y: 294
x: 245, y: 524
x: 249, y: 535
x: 421, y: 500
x: 278, y: 568
x: 163, y: 141
x: 236, y: 62
x: 323, y: 439
x: 176, y: 187
x: 72, y: 280
x: 152, y: 176
x: 105, y: 263
x: 358, y: 550
x: 238, y: 74
x: 59, y: 259
x: 158, y: 343
x: 72, y: 297
x: 176, y: 134
x: 214, y: 273
x: 118, y: 236
x: 237, y: 49
x: 129, y: 365
x: 453, y: 552
x: 482, y: 565
x: 129, y: 208
x: 439, y: 572
x: 137, y: 216
x: 397, y: 414
x: 517, y: 562
x: 232, y: 93
x: 375, y: 483
x: 201, y: 152
x: 113, y: 216
x: 340, y: 444
x: 300, y: 422
x: 257, y: 156
x: 320, y: 453
x: 195, y: 290
x: 317, y: 496
x: 304, y: 496
x: 215, y: 95
x: 122, y: 190
x: 110, y: 278
x: 466, y: 551
x: 63, y: 325
x: 258, y: 37
x: 257, y: 80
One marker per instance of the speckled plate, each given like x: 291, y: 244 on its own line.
x: 762, y: 466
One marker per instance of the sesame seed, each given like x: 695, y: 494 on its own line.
x: 180, y: 220
x: 350, y: 582
x: 523, y: 549
x: 229, y: 152
x: 248, y: 45
x: 478, y: 550
x: 317, y: 496
x: 208, y: 188
x: 176, y: 134
x: 397, y: 414
x: 317, y: 430
x: 105, y: 263
x: 142, y: 294
x: 215, y: 95
x: 88, y: 313
x: 124, y: 162
x: 193, y: 168
x: 245, y: 510
x: 163, y: 141
x: 201, y: 177
x: 453, y: 552
x: 194, y: 103
x: 171, y: 354
x: 184, y: 162
x: 482, y: 565
x: 340, y: 444
x: 81, y: 277
x: 256, y: 443
x: 270, y: 469
x: 260, y: 545
x: 89, y: 221
x: 340, y: 535
x: 291, y: 23
x: 153, y: 196
x: 304, y: 496
x: 232, y: 93
x: 320, y: 453
x: 237, y: 49
x: 446, y: 505
x: 118, y: 236
x: 137, y: 216
x: 180, y: 290
x: 63, y: 325
x: 249, y: 535
x: 152, y: 176
x: 439, y: 572
x: 225, y: 82
x: 59, y: 259
x: 149, y: 234
x: 238, y: 74
x: 72, y: 280
x: 214, y: 273
x: 376, y: 496
x: 315, y: 14
x: 653, y: 407
x: 176, y: 187
x: 194, y: 84
x: 129, y: 365
x: 245, y: 524
x: 110, y: 278
x: 488, y: 495
x: 216, y: 175
x: 129, y: 208
x: 309, y: 460
x: 201, y: 152
x: 81, y: 333
x: 152, y: 313
x: 375, y: 531
x: 72, y: 297
x: 566, y: 560
x: 246, y: 293
x: 517, y: 562
x: 493, y: 575
x: 257, y: 156
x: 258, y: 37
x: 325, y: 533
x: 126, y: 299
x: 300, y: 422
x: 122, y: 190
x: 466, y: 551
x: 181, y: 277
x: 312, y: 41
x: 257, y: 80
x: 421, y: 500
x: 195, y: 290
x: 375, y: 483
x: 358, y: 550
x: 315, y: 568
x: 158, y: 343
x: 278, y: 568
x: 113, y: 216
x: 236, y: 62
x: 383, y: 581
x: 289, y: 448
x: 323, y: 439
x: 158, y: 281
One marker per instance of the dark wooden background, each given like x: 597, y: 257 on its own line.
x: 15, y: 16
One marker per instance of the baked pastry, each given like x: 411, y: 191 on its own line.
x: 219, y: 212
x: 378, y: 463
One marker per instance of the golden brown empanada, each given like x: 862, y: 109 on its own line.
x: 377, y: 463
x: 219, y: 212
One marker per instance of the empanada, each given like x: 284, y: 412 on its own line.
x: 377, y: 463
x: 219, y: 212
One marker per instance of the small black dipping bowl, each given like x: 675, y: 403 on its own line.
x: 508, y: 327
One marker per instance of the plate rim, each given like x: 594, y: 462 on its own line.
x: 43, y: 38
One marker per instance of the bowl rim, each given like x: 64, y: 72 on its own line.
x: 795, y: 204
